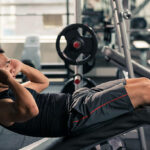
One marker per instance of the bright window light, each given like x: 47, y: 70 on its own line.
x: 141, y: 44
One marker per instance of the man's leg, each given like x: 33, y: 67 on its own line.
x: 92, y: 106
x: 95, y: 106
x: 109, y: 84
x: 135, y: 80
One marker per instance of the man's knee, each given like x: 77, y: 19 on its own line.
x: 139, y: 91
x: 144, y: 80
x: 145, y: 90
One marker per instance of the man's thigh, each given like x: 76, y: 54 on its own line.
x: 109, y: 84
x: 96, y: 107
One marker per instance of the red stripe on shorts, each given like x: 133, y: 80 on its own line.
x: 100, y: 107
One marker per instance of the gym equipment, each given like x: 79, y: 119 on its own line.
x: 51, y: 74
x: 32, y: 57
x: 80, y: 40
x: 91, y: 17
x: 137, y: 10
x: 108, y: 29
x: 81, y: 46
x: 60, y: 72
x: 118, y: 59
x: 123, y: 44
x: 99, y: 133
x: 87, y: 66
x: 138, y: 23
x: 79, y: 50
x: 140, y: 42
x: 143, y: 47
x: 69, y: 86
x: 121, y: 32
x: 31, y: 52
x: 78, y: 45
x: 67, y: 11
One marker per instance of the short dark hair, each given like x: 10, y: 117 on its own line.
x: 1, y: 51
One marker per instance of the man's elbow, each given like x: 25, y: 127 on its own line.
x: 47, y: 83
x: 28, y: 113
x: 32, y: 112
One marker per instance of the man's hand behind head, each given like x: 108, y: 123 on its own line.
x: 16, y: 66
x: 5, y: 76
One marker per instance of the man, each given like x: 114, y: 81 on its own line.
x: 25, y: 110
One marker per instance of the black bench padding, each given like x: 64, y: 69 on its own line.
x: 104, y: 131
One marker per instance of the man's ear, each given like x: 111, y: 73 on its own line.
x: 13, y: 71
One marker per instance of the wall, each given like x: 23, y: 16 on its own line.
x: 48, y: 51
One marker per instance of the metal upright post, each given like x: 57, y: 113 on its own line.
x: 139, y: 8
x: 78, y: 69
x: 117, y: 27
x: 124, y: 37
x: 77, y: 11
x: 67, y: 11
x: 127, y: 6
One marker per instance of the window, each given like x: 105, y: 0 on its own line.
x: 20, y: 18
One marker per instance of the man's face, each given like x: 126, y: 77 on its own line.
x: 5, y: 63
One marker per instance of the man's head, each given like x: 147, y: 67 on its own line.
x: 5, y: 62
x: 2, y: 58
x: 13, y: 66
x: 1, y: 51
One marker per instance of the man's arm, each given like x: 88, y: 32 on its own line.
x: 20, y: 110
x: 37, y: 80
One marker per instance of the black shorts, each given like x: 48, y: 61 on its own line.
x: 99, y: 104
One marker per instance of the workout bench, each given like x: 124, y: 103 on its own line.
x: 102, y: 132
x: 99, y: 133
